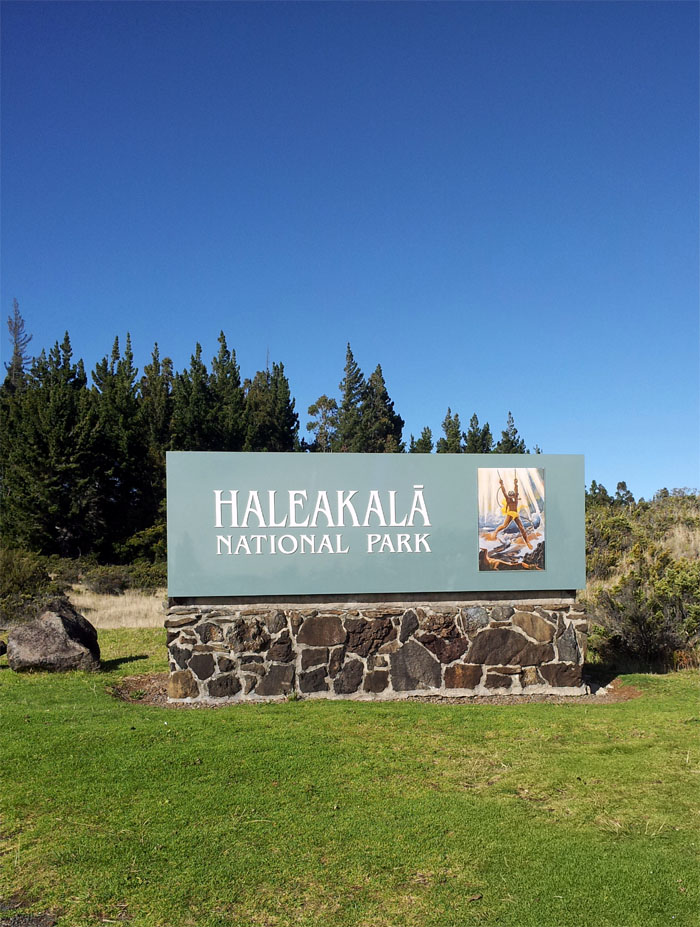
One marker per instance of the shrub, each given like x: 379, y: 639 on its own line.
x: 107, y: 580
x: 26, y: 587
x: 652, y: 613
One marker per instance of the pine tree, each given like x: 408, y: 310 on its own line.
x: 352, y: 390
x: 510, y: 442
x: 478, y: 440
x: 127, y: 500
x: 271, y: 424
x: 324, y: 424
x: 380, y: 427
x: 424, y: 444
x: 191, y: 425
x: 52, y: 485
x: 156, y: 404
x: 452, y: 441
x: 16, y: 375
x: 228, y: 401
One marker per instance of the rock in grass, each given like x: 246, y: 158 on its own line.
x: 60, y: 639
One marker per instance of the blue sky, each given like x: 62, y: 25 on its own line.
x: 496, y: 201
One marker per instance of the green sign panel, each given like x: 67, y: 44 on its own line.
x: 308, y: 524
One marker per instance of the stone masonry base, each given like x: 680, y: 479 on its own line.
x: 388, y: 649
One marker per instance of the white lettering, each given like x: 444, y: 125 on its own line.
x: 253, y: 508
x: 418, y: 506
x: 374, y: 506
x: 322, y: 508
x: 386, y: 545
x: 393, y: 523
x: 220, y: 539
x: 297, y: 498
x: 339, y: 549
x: 422, y: 539
x: 242, y: 545
x: 287, y: 537
x: 345, y: 503
x: 308, y: 541
x: 403, y: 544
x: 219, y: 503
x: 271, y: 504
x: 372, y: 540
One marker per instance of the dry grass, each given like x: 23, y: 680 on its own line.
x: 683, y: 541
x: 130, y: 610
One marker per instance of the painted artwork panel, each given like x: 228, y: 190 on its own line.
x: 511, y: 518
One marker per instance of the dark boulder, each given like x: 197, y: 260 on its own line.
x: 60, y: 639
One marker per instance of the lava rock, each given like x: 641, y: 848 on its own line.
x: 412, y: 667
x: 349, y: 678
x: 60, y: 639
x: 495, y: 646
x: 322, y: 631
x: 409, y: 624
x: 278, y: 681
x: 281, y: 650
x: 366, y: 637
x: 315, y: 681
x: 182, y: 684
x: 462, y: 676
x: 534, y: 626
x: 224, y: 686
x: 561, y: 674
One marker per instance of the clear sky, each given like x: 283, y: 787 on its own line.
x: 496, y: 201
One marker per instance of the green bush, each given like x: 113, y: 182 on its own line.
x: 115, y: 580
x: 26, y: 587
x: 652, y: 613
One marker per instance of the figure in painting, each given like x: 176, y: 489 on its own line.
x: 510, y: 509
x: 511, y: 519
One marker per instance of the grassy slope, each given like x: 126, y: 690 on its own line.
x: 347, y: 813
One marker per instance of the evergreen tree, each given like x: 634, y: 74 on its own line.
x: 155, y: 410
x: 478, y: 440
x: 155, y: 414
x: 271, y: 424
x: 352, y: 389
x: 598, y: 495
x: 324, y: 424
x: 424, y: 444
x: 380, y: 427
x: 451, y: 443
x: 16, y: 375
x: 622, y: 495
x: 51, y: 482
x: 191, y: 425
x: 228, y: 401
x: 122, y: 455
x: 510, y: 442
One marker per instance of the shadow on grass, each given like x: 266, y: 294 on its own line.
x: 109, y: 665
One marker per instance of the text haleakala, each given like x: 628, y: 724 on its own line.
x: 297, y: 508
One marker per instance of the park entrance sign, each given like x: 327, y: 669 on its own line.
x: 260, y: 525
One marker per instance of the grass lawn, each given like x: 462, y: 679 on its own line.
x: 346, y: 813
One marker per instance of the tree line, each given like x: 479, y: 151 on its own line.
x: 82, y: 458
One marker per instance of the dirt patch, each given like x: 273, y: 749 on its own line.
x: 151, y: 689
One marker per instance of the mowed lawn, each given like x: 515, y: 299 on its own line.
x: 342, y: 813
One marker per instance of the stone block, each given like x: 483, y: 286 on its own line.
x: 182, y: 684
x: 534, y: 625
x: 281, y: 651
x: 208, y: 632
x: 412, y: 667
x: 336, y: 661
x: 409, y: 624
x: 314, y: 681
x: 366, y: 637
x: 567, y: 648
x: 494, y: 646
x: 279, y: 680
x: 498, y: 681
x: 349, y: 678
x: 202, y: 665
x: 322, y: 631
x: 314, y: 656
x: 501, y: 612
x: 376, y: 681
x: 562, y: 674
x: 276, y: 622
x: 462, y: 676
x: 225, y: 686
